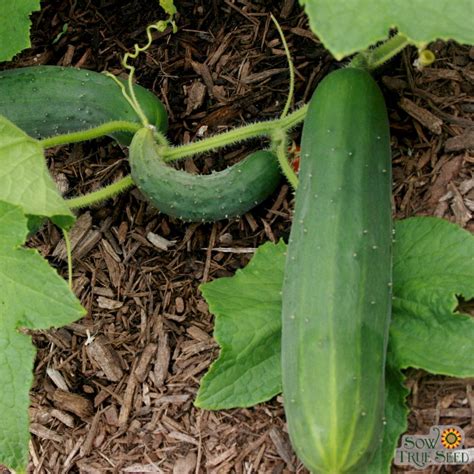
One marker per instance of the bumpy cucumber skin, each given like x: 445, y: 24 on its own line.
x: 337, y: 287
x: 201, y: 198
x: 45, y: 101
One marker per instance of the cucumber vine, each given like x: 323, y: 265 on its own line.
x: 90, y: 134
x: 276, y: 130
x: 280, y: 137
x: 129, y: 92
x: 17, y: 218
x: 373, y: 58
x: 161, y: 25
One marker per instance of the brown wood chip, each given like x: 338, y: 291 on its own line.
x: 436, y: 74
x: 126, y: 407
x: 195, y: 96
x: 448, y: 171
x: 185, y: 465
x: 461, y: 142
x: 141, y: 372
x: 225, y: 456
x: 45, y: 433
x: 160, y: 242
x: 197, y: 333
x: 178, y: 436
x: 424, y: 116
x: 91, y: 239
x: 107, y: 303
x: 160, y: 370
x: 282, y: 446
x: 63, y: 417
x: 261, y: 76
x: 460, y: 211
x: 77, y: 233
x: 103, y: 355
x: 74, y: 403
x: 447, y: 413
x: 87, y: 446
x: 204, y: 71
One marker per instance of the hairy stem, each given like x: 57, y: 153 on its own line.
x: 96, y: 132
x: 374, y: 58
x: 234, y: 136
x: 280, y: 146
x: 387, y: 50
x: 221, y: 140
x: 102, y: 194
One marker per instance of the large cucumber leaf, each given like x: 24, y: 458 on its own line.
x: 433, y: 262
x: 247, y: 329
x: 348, y: 26
x: 25, y: 179
x: 33, y: 296
x: 15, y: 26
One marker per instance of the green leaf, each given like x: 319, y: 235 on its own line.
x: 348, y: 26
x: 25, y: 179
x: 396, y: 412
x: 33, y: 296
x: 248, y: 369
x: 433, y: 262
x: 15, y: 26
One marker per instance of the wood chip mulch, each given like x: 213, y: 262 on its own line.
x: 114, y: 392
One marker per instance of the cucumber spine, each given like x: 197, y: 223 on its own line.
x: 45, y: 101
x: 201, y: 198
x: 337, y: 286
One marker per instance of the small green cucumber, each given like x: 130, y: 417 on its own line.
x: 201, y: 198
x: 45, y: 101
x: 337, y: 284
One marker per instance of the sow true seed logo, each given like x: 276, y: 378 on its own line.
x: 443, y: 445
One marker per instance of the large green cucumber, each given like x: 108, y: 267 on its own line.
x: 201, y: 198
x: 45, y: 101
x: 337, y: 288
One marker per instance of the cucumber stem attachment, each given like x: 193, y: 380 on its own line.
x: 373, y: 58
x: 280, y: 147
x: 95, y: 132
x: 184, y: 151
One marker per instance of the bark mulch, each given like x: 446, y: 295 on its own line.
x: 114, y: 392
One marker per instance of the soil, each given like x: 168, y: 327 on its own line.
x: 225, y: 66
